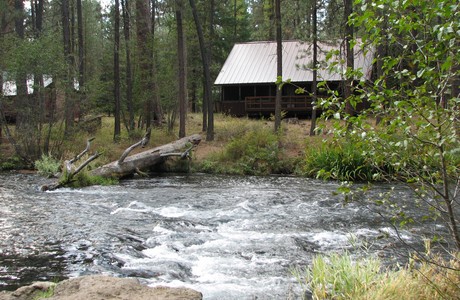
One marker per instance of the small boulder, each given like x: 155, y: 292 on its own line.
x: 99, y: 287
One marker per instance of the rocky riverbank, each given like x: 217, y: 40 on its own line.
x: 98, y: 287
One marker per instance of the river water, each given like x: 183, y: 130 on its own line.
x: 227, y: 237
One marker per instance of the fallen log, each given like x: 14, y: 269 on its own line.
x: 128, y: 165
x: 147, y: 159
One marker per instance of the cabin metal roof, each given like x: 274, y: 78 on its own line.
x: 10, y: 88
x: 255, y: 62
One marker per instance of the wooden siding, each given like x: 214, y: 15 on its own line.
x: 265, y: 105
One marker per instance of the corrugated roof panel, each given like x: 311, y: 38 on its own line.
x: 255, y: 62
x: 10, y: 88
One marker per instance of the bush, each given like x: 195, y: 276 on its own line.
x: 256, y: 152
x: 342, y: 161
x: 47, y: 165
x: 12, y: 163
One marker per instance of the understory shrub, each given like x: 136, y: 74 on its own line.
x: 340, y: 161
x: 253, y: 153
x: 12, y: 163
x: 47, y: 165
x: 83, y: 179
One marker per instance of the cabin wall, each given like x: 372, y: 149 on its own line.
x: 233, y: 97
x: 46, y: 103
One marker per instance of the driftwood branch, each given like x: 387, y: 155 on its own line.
x: 79, y: 156
x: 145, y: 140
x: 70, y: 171
x: 183, y: 155
x: 90, y: 159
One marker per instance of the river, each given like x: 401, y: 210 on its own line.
x: 228, y: 237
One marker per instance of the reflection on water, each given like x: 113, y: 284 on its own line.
x: 228, y: 237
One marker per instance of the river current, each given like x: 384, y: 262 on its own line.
x: 225, y: 236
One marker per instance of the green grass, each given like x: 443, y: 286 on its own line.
x: 48, y: 293
x: 83, y: 179
x: 255, y: 151
x: 340, y: 276
x: 342, y: 161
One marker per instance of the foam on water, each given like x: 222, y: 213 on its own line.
x: 228, y: 237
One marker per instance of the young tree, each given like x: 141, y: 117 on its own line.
x: 417, y: 96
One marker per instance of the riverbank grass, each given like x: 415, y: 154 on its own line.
x: 340, y: 276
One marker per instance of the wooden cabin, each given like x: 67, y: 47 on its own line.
x: 50, y: 99
x: 10, y: 98
x: 247, y: 78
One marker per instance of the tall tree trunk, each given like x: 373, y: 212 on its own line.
x: 235, y: 20
x: 143, y: 34
x: 129, y: 71
x: 27, y: 116
x: 210, y: 130
x: 207, y: 75
x: 348, y: 10
x: 279, y: 64
x: 272, y: 19
x: 314, y: 91
x: 116, y: 73
x: 157, y: 110
x: 81, y: 56
x: 182, y: 69
x: 193, y: 95
x: 146, y: 66
x: 1, y: 96
x: 68, y: 78
x: 24, y: 112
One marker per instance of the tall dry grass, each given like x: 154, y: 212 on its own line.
x: 342, y: 277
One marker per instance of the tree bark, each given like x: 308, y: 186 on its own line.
x: 348, y: 10
x: 314, y: 91
x: 68, y: 78
x: 208, y: 83
x: 152, y: 112
x: 116, y: 72
x: 279, y: 64
x: 147, y: 159
x: 181, y: 56
x: 129, y: 72
x: 207, y: 75
x: 81, y: 58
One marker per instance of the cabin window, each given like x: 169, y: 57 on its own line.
x: 231, y: 93
x: 247, y: 91
x: 263, y: 90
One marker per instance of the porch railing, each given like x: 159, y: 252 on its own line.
x: 288, y: 103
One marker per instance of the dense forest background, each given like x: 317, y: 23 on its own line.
x: 125, y: 58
